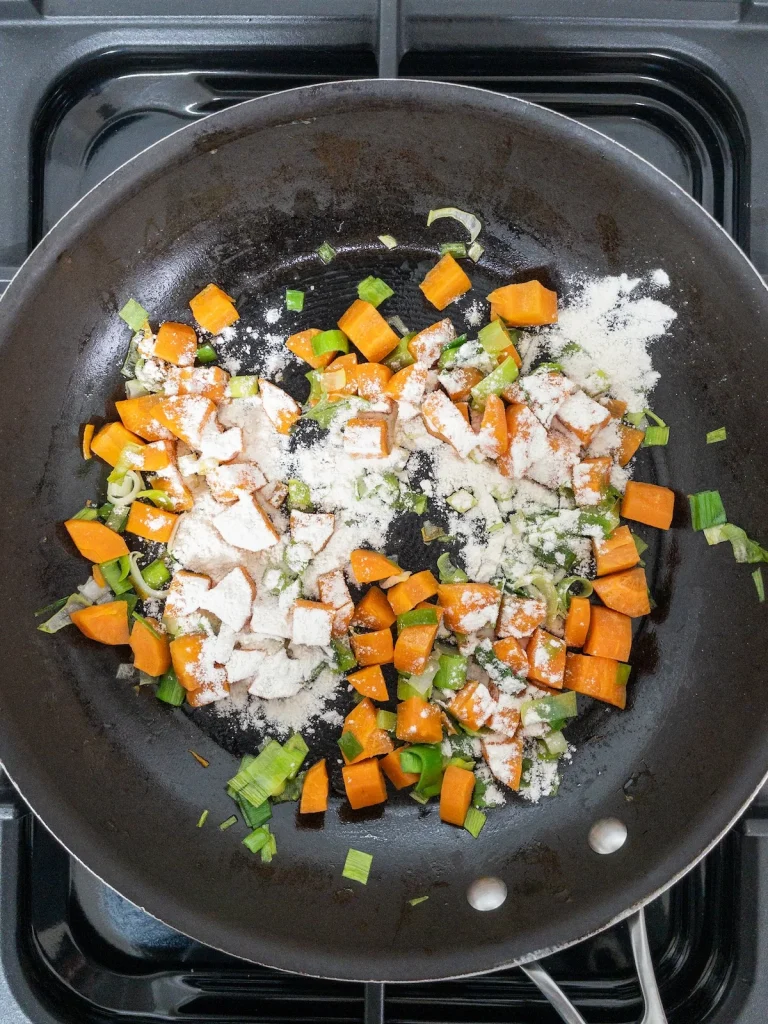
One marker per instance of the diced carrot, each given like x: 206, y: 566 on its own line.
x: 590, y: 479
x: 615, y: 553
x: 111, y: 440
x: 372, y: 379
x: 143, y: 416
x: 583, y: 416
x: 151, y: 458
x: 314, y: 792
x: 390, y: 765
x: 495, y: 313
x: 361, y: 722
x: 374, y: 648
x: 150, y: 522
x: 208, y: 381
x: 171, y: 482
x: 107, y: 623
x: 149, y: 643
x: 472, y: 705
x: 374, y: 611
x: 370, y: 566
x: 185, y: 657
x: 625, y: 592
x: 95, y: 541
x: 615, y: 407
x: 510, y: 352
x: 469, y: 606
x: 505, y: 718
x: 366, y: 437
x: 461, y: 381
x: 406, y: 595
x: 596, y: 677
x: 521, y: 427
x: 463, y: 408
x: 98, y: 575
x: 631, y: 439
x: 519, y: 616
x: 577, y: 621
x: 610, y: 634
x: 418, y: 721
x: 206, y: 693
x: 456, y: 794
x: 511, y: 652
x: 504, y: 756
x: 525, y: 305
x: 364, y: 325
x: 493, y: 428
x: 413, y: 648
x: 427, y: 346
x: 364, y: 784
x: 176, y: 343
x: 186, y: 416
x: 213, y: 309
x: 333, y: 590
x: 301, y: 345
x: 347, y: 363
x: 88, y: 431
x: 445, y: 282
x: 280, y: 408
x: 649, y: 504
x: 370, y: 682
x: 414, y: 375
x: 546, y: 659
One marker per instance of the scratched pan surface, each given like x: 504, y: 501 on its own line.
x: 244, y: 198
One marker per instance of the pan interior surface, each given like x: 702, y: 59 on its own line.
x: 244, y: 199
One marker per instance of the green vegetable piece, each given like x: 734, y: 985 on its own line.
x: 159, y: 499
x: 655, y: 437
x: 495, y: 382
x: 228, y: 822
x: 350, y: 746
x: 295, y: 746
x: 206, y: 354
x: 345, y: 659
x: 294, y: 300
x: 156, y: 574
x: 452, y: 673
x: 386, y: 720
x: 357, y: 866
x: 169, y: 689
x: 243, y: 387
x: 258, y: 839
x: 326, y: 253
x: 555, y: 744
x: 87, y: 514
x: 400, y: 357
x: 623, y: 670
x: 264, y: 775
x: 474, y: 822
x: 450, y: 352
x: 202, y: 819
x: 450, y: 573
x: 431, y: 532
x: 427, y: 760
x: 299, y: 496
x: 417, y: 617
x: 475, y: 251
x: 116, y: 574
x: 134, y: 314
x: 716, y: 435
x: 374, y: 290
x: 744, y: 549
x: 706, y: 510
x: 494, y: 337
x: 461, y: 501
x: 388, y: 240
x: 254, y: 816
x: 457, y: 249
x: 549, y: 709
x: 757, y: 577
x: 417, y: 900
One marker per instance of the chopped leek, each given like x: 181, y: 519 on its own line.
x: 564, y: 593
x: 452, y: 673
x: 325, y: 411
x: 417, y: 900
x: 125, y: 462
x: 299, y: 496
x: 254, y: 816
x: 61, y: 617
x: 475, y: 251
x: 206, y: 354
x: 374, y: 290
x: 326, y: 253
x: 450, y: 352
x: 169, y: 689
x: 495, y: 382
x: 640, y: 545
x: 243, y: 387
x: 757, y: 577
x: 295, y: 746
x: 400, y: 357
x: 386, y: 720
x: 461, y: 501
x: 134, y: 314
x: 474, y: 822
x: 202, y: 819
x: 388, y: 240
x: 555, y: 744
x: 623, y: 670
x: 431, y: 532
x: 656, y: 419
x: 744, y: 549
x: 128, y: 369
x: 457, y: 249
x: 706, y: 510
x: 264, y: 775
x: 116, y: 573
x: 635, y: 418
x: 294, y: 300
x: 412, y: 501
x: 269, y: 850
x: 53, y: 607
x: 468, y: 220
x: 258, y: 839
x: 117, y: 518
x: 655, y: 437
x: 159, y: 499
x: 417, y: 617
x: 450, y: 573
x: 716, y: 435
x: 427, y: 760
x: 228, y: 822
x: 350, y: 746
x: 344, y: 658
x: 87, y: 514
x: 549, y: 709
x: 494, y: 337
x: 155, y: 574
x: 357, y: 866
x: 130, y: 598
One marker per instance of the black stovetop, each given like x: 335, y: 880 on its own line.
x: 84, y: 85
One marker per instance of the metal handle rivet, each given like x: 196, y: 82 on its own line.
x: 487, y: 893
x: 607, y: 835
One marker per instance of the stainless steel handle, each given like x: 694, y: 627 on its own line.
x: 654, y: 1011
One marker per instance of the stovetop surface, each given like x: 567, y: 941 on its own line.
x: 86, y: 85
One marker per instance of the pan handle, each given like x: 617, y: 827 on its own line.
x: 388, y: 48
x: 638, y: 935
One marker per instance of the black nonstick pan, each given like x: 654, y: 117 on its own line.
x: 244, y: 198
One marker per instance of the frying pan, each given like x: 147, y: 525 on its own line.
x: 244, y: 198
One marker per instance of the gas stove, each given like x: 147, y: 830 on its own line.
x: 84, y: 85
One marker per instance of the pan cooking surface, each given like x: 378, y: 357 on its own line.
x: 244, y: 199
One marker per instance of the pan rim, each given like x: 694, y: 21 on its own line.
x: 154, y: 163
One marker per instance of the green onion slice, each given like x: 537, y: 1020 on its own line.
x: 450, y: 352
x: 655, y: 437
x: 716, y: 435
x: 158, y: 498
x: 417, y: 900
x: 400, y: 357
x: 374, y: 290
x: 744, y: 549
x: 427, y: 760
x: 706, y: 510
x: 386, y: 720
x: 474, y: 822
x: 475, y: 251
x: 549, y: 709
x: 202, y: 819
x: 243, y: 387
x: 87, y: 514
x: 134, y: 314
x: 326, y: 253
x: 417, y: 617
x: 330, y: 341
x: 452, y: 673
x: 345, y: 659
x: 494, y: 337
x: 495, y: 382
x: 264, y: 775
x: 457, y: 249
x: 299, y: 496
x: 468, y: 220
x: 258, y: 839
x: 357, y: 866
x: 169, y: 689
x: 294, y: 300
x: 206, y: 354
x: 757, y: 577
x: 254, y: 817
x: 350, y: 746
x: 388, y: 240
x: 155, y: 574
x: 61, y: 617
x: 450, y: 573
x: 228, y: 822
x: 116, y: 573
x: 656, y: 419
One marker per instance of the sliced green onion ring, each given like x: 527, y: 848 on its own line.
x: 142, y: 587
x: 330, y: 341
x: 61, y: 618
x: 388, y: 240
x: 357, y: 866
x: 468, y: 220
x: 716, y: 435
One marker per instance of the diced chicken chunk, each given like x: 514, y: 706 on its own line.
x: 225, y: 482
x: 312, y: 528
x: 366, y: 437
x: 231, y: 599
x: 245, y: 525
x: 312, y: 623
